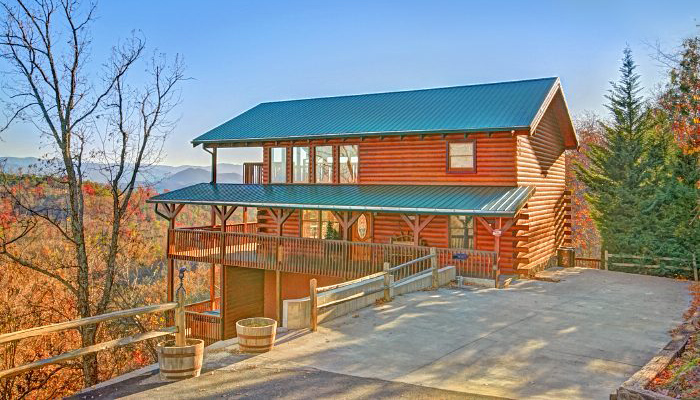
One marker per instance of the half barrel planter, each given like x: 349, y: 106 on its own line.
x: 180, y: 362
x: 256, y: 335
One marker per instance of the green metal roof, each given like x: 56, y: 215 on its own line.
x: 483, y: 107
x: 423, y: 199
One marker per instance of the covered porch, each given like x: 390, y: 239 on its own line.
x: 375, y: 224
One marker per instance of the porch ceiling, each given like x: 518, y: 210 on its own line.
x: 419, y: 199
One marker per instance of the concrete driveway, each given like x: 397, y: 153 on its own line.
x: 576, y: 339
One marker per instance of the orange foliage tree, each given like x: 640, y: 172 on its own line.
x: 585, y: 236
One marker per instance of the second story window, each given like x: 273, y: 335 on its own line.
x: 300, y: 164
x: 348, y: 163
x: 278, y: 165
x: 460, y: 157
x: 324, y: 164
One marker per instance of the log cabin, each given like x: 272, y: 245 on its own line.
x: 348, y: 183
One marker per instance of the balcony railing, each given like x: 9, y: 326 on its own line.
x: 343, y: 259
x: 253, y: 173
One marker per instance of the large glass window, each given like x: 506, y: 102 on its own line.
x: 324, y: 164
x: 460, y: 156
x: 461, y: 231
x: 319, y: 225
x: 300, y: 164
x: 278, y: 165
x: 348, y: 163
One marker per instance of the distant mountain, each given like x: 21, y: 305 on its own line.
x: 192, y: 175
x: 162, y: 177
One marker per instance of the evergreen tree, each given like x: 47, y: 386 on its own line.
x: 622, y: 170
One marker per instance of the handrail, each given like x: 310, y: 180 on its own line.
x: 387, y: 285
x: 408, y: 264
x: 348, y: 283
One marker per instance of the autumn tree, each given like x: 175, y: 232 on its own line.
x: 91, y: 117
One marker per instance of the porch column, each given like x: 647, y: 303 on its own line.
x: 213, y: 163
x: 280, y: 217
x: 417, y: 225
x: 497, y: 231
x: 170, y: 213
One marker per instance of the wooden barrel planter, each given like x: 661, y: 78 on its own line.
x: 256, y: 335
x: 180, y: 362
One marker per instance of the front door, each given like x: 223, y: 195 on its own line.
x: 362, y: 228
x: 362, y: 232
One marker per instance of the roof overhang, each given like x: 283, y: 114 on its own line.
x: 352, y: 135
x: 556, y: 101
x: 494, y: 201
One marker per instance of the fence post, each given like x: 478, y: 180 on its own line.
x: 695, y: 268
x: 313, y: 295
x: 387, y: 282
x: 607, y: 259
x: 434, y: 267
x: 180, y: 335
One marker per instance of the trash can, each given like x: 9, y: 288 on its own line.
x: 566, y: 257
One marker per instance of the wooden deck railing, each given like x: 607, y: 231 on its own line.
x: 348, y: 260
x: 249, y: 227
x: 203, y: 306
x: 253, y: 173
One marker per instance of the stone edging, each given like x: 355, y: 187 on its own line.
x: 635, y: 387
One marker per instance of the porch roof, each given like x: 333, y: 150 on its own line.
x: 420, y: 199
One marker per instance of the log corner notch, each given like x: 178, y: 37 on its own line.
x: 497, y: 231
x: 417, y: 225
x: 170, y: 213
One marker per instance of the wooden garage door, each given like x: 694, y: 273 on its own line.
x: 244, y: 296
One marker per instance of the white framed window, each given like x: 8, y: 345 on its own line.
x: 349, y: 161
x: 300, y: 164
x: 278, y: 165
x: 324, y: 164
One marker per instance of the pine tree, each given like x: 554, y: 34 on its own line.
x: 621, y: 171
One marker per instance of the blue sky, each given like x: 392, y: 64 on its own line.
x: 241, y: 53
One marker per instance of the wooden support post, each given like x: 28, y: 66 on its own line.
x: 245, y: 220
x: 313, y: 295
x: 388, y: 289
x: 212, y: 284
x: 434, y: 267
x: 180, y: 323
x: 170, y: 213
x: 278, y: 296
x: 213, y: 165
x: 607, y: 259
x: 222, y: 301
x: 695, y: 268
x: 496, y: 275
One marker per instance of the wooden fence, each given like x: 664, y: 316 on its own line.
x: 587, y: 262
x: 651, y: 265
x: 343, y: 259
x: 178, y: 329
